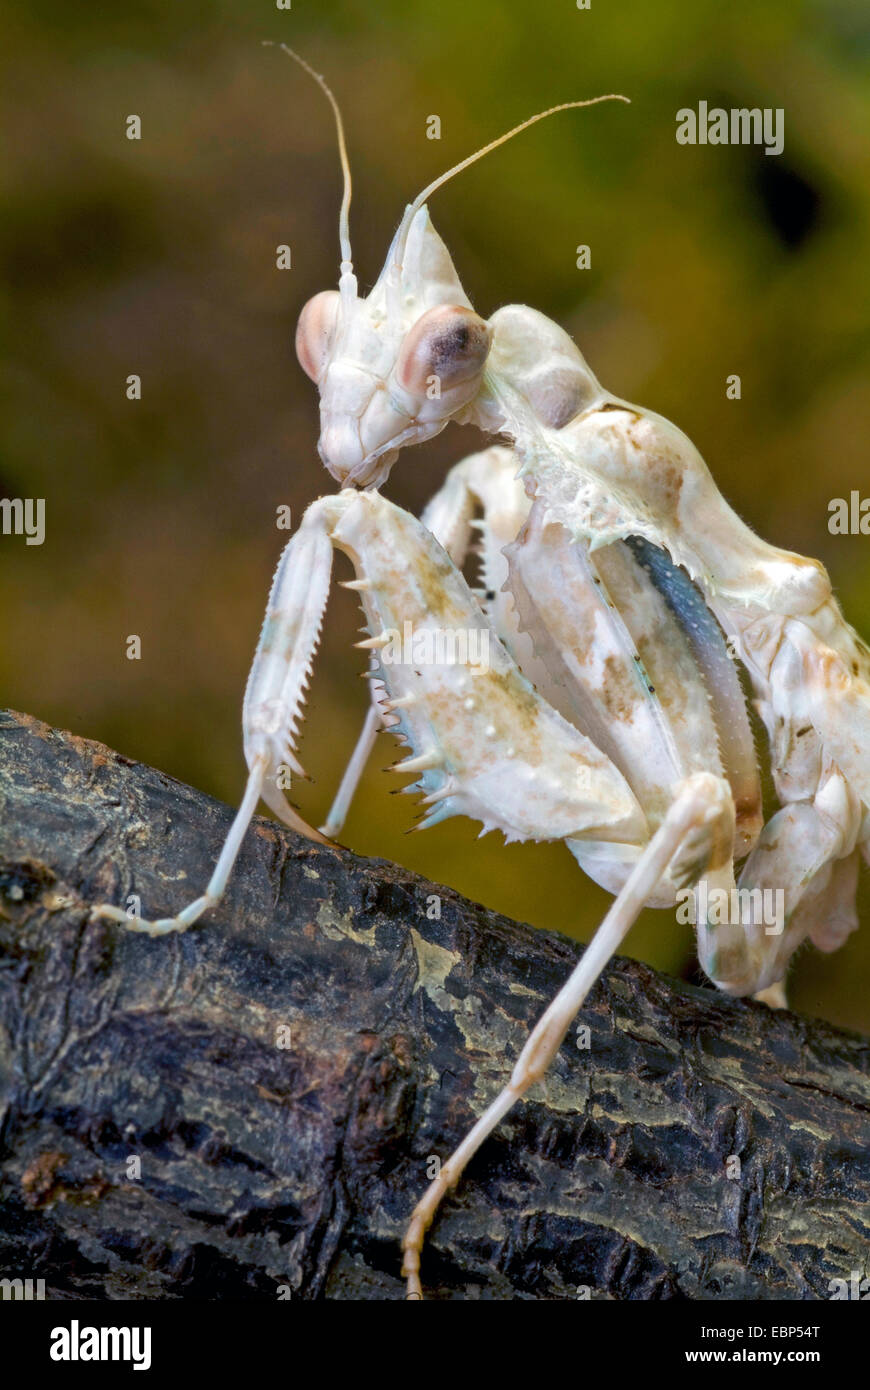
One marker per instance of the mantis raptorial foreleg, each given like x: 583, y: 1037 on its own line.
x: 448, y: 517
x: 485, y: 482
x: 450, y: 713
x: 272, y: 705
x: 466, y: 717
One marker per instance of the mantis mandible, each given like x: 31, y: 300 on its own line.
x: 610, y: 714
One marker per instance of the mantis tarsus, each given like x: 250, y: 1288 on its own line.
x: 610, y: 714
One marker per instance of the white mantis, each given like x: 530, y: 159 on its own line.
x: 610, y: 714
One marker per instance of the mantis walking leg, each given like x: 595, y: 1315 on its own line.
x: 700, y: 801
x: 340, y: 807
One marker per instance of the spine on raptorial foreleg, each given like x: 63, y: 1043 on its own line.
x: 276, y: 687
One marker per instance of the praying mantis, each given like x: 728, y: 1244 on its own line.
x: 618, y: 588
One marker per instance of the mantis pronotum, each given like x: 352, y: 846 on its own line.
x: 610, y: 714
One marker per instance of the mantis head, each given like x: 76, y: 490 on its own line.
x: 394, y: 367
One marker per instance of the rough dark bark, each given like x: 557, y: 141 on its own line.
x: 264, y: 1166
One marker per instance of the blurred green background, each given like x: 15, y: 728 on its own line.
x: 157, y: 257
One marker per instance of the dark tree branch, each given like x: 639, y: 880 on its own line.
x: 262, y: 1166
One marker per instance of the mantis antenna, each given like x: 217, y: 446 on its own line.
x: 343, y: 216
x: 502, y: 139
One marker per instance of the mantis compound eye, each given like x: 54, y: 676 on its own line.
x: 315, y: 332
x: 450, y: 343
